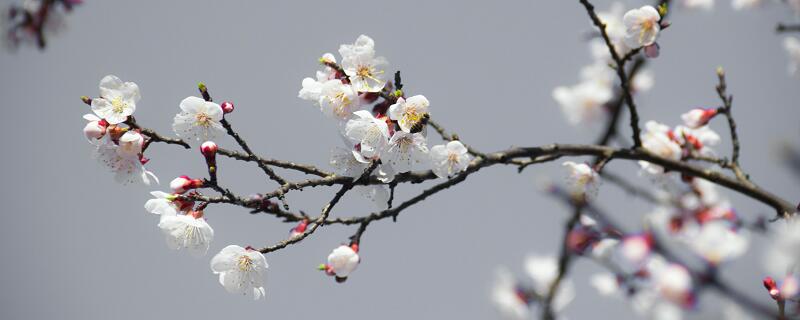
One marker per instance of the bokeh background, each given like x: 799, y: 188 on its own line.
x: 76, y: 245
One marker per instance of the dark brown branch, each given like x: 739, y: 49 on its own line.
x: 787, y: 28
x: 620, y: 68
x: 325, y: 212
x: 267, y: 170
x: 726, y: 110
x: 451, y: 137
x: 154, y: 136
x: 564, y: 263
x: 304, y: 168
x: 509, y: 157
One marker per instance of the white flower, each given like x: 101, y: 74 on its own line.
x: 641, y: 26
x: 131, y: 143
x: 783, y: 253
x: 643, y: 81
x: 745, y: 4
x: 344, y: 163
x: 342, y: 261
x: 657, y: 139
x: 448, y: 160
x: 338, y: 100
x: 117, y: 99
x: 605, y: 283
x: 198, y: 120
x: 409, y: 112
x: 584, y: 102
x: 312, y: 88
x: 633, y: 251
x: 582, y: 178
x: 506, y: 297
x: 190, y: 231
x: 126, y: 168
x: 543, y: 270
x: 370, y: 133
x: 792, y: 46
x: 241, y: 270
x: 716, y: 242
x: 377, y: 193
x: 162, y: 204
x: 699, y: 4
x: 406, y: 150
x: 95, y: 129
x: 361, y: 65
x: 671, y: 280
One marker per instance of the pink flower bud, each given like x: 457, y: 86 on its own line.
x: 697, y: 118
x: 94, y: 130
x: 652, y: 51
x: 227, y: 107
x: 209, y: 149
x: 299, y: 229
x: 196, y: 214
x: 772, y: 288
x: 182, y: 184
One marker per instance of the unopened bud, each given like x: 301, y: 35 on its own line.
x: 204, y: 91
x: 698, y: 117
x: 227, y: 107
x: 772, y: 288
x: 86, y: 100
x: 182, y: 184
x: 652, y: 51
x: 209, y: 151
x: 95, y: 129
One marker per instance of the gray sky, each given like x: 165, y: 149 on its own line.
x: 76, y: 245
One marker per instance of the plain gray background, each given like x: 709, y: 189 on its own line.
x: 76, y: 245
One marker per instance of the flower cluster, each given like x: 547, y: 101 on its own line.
x: 376, y: 121
x: 588, y: 101
x: 117, y: 145
x: 683, y: 142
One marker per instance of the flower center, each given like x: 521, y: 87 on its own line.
x: 411, y: 116
x: 202, y: 119
x: 452, y: 158
x: 340, y: 108
x: 364, y: 71
x: 117, y: 105
x: 245, y: 263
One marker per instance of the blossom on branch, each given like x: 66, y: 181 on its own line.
x: 409, y: 112
x: 450, y: 159
x: 127, y: 168
x: 312, y: 87
x: 406, y: 150
x: 583, y: 180
x: 657, y: 138
x: 241, y: 270
x: 362, y: 66
x: 342, y: 261
x: 117, y: 99
x: 371, y: 134
x: 199, y: 120
x: 187, y: 231
x: 641, y: 26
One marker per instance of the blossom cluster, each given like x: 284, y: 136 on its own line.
x: 588, y: 101
x: 375, y: 121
